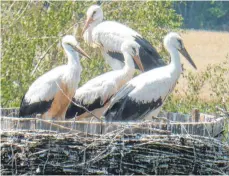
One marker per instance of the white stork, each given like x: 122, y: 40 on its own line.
x: 109, y: 36
x: 96, y: 93
x: 47, y: 94
x: 143, y: 96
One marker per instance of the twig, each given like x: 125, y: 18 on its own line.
x: 11, y: 5
x: 93, y: 159
x: 42, y: 38
x: 47, y: 158
x: 60, y: 126
x: 161, y: 118
x: 12, y: 152
x: 78, y: 104
x: 223, y: 111
x: 19, y: 15
x: 42, y: 57
x: 37, y: 153
x: 224, y: 105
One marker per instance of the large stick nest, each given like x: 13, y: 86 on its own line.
x: 42, y: 152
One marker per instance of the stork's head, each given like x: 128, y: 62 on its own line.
x: 132, y: 48
x: 94, y: 16
x: 173, y: 40
x: 69, y: 43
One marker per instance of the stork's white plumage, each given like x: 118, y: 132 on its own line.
x: 47, y: 94
x: 143, y: 96
x: 109, y: 36
x: 96, y: 93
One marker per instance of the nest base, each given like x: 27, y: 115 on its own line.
x: 118, y: 153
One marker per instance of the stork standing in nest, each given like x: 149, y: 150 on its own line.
x: 109, y: 36
x: 52, y: 92
x: 96, y: 93
x: 143, y: 96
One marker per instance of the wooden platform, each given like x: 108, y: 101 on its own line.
x: 166, y: 123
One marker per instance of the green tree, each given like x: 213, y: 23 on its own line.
x: 213, y: 15
x: 217, y: 81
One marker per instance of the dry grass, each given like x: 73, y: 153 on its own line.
x: 205, y: 47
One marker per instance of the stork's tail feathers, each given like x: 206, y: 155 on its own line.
x: 114, y: 111
x: 28, y: 109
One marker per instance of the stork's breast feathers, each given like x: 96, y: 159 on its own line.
x: 72, y: 78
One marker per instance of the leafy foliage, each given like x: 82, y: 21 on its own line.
x: 217, y: 79
x: 212, y: 15
x: 32, y: 32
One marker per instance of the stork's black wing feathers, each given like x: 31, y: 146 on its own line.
x: 116, y: 55
x: 120, y: 57
x: 148, y: 54
x: 74, y: 110
x: 123, y: 108
x: 28, y: 109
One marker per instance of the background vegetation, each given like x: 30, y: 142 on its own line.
x: 31, y: 43
x: 213, y: 15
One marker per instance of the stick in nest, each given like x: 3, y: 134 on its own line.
x: 76, y: 104
x: 223, y: 111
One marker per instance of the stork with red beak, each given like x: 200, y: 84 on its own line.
x: 51, y: 93
x: 109, y: 36
x: 143, y: 96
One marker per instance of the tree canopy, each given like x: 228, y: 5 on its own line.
x: 210, y: 15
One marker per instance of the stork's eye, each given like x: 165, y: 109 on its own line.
x: 69, y: 44
x: 134, y: 50
x: 93, y: 13
x: 180, y: 43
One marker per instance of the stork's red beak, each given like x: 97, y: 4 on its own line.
x: 87, y: 23
x: 81, y: 51
x: 138, y: 62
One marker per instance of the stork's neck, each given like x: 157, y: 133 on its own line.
x: 88, y: 33
x: 129, y: 63
x: 73, y: 56
x: 95, y: 23
x: 175, y: 63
